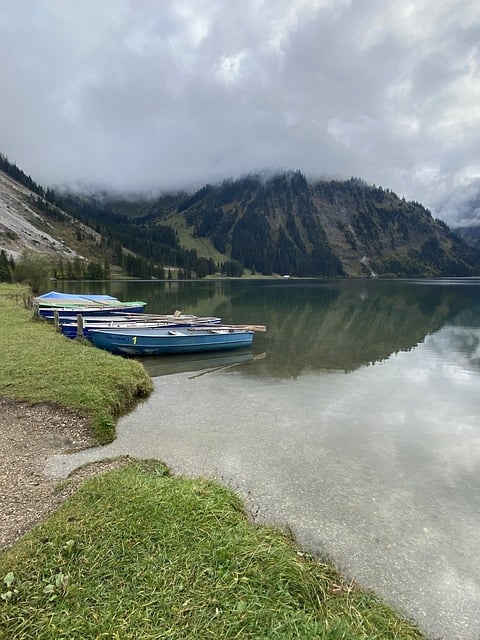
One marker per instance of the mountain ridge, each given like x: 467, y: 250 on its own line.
x: 279, y: 225
x: 288, y: 225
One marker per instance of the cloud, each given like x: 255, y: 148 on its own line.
x: 148, y: 95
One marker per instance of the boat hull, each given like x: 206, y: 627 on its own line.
x: 48, y: 313
x: 164, y: 341
x: 69, y: 327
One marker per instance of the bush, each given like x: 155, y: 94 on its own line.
x: 33, y: 269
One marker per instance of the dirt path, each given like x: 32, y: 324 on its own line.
x: 29, y: 434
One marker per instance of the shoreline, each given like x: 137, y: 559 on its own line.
x: 30, y: 434
x: 41, y: 365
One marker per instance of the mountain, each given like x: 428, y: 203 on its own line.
x: 22, y: 227
x: 462, y: 207
x: 470, y: 235
x: 287, y: 225
x: 283, y: 225
x: 30, y: 219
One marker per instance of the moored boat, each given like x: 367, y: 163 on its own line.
x: 157, y: 341
x: 72, y: 328
x: 70, y: 305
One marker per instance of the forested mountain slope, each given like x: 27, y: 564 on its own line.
x: 281, y: 225
x: 287, y: 225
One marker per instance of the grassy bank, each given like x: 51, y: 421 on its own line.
x: 39, y: 365
x: 136, y: 553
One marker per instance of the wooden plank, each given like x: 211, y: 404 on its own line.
x: 242, y: 327
x: 154, y: 316
x: 247, y: 327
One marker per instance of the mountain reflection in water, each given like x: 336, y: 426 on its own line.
x: 313, y: 324
x: 359, y: 429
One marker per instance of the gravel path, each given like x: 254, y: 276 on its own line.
x: 29, y: 434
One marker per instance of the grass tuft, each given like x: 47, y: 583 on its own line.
x: 136, y: 553
x: 39, y: 365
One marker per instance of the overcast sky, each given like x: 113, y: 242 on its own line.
x: 142, y: 94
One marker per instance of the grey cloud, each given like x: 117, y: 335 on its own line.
x: 148, y: 95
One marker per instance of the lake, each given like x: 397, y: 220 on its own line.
x: 353, y: 421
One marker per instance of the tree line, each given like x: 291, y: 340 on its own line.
x: 37, y: 269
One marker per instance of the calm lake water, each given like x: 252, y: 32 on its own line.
x: 354, y: 420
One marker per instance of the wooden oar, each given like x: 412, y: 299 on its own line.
x: 259, y: 356
x: 219, y: 327
x: 167, y: 317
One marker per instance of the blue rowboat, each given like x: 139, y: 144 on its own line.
x: 69, y: 326
x: 157, y: 341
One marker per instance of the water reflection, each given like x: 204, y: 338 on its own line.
x: 315, y: 325
x: 379, y: 468
x: 200, y: 362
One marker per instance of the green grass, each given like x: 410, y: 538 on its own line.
x: 138, y: 554
x: 39, y: 365
x: 203, y: 246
